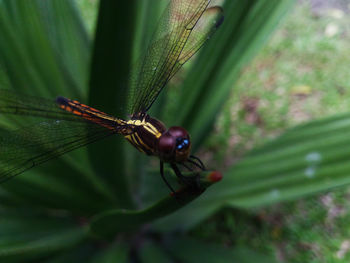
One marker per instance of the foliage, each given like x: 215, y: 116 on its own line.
x: 52, y: 213
x: 299, y: 75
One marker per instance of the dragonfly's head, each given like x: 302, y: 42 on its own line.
x: 174, y: 145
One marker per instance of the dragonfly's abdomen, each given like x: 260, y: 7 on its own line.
x: 93, y: 115
x: 147, y: 132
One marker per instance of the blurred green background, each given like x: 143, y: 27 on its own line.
x: 301, y: 74
x: 275, y: 202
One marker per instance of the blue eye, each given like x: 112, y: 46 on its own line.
x: 182, y: 143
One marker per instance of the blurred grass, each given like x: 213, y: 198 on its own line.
x: 301, y: 74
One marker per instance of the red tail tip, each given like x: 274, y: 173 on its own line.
x: 215, y: 176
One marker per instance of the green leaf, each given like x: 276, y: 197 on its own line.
x: 109, y: 223
x: 47, y: 57
x: 192, y: 214
x: 115, y: 253
x: 44, y: 49
x: 108, y: 89
x: 71, y: 44
x: 84, y: 252
x: 35, y: 56
x: 190, y: 250
x: 152, y: 252
x: 42, y: 189
x: 23, y: 235
x: 245, y: 29
x: 305, y: 160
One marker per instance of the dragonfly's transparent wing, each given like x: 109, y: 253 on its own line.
x: 20, y: 104
x: 58, y: 132
x: 183, y: 29
x: 210, y: 20
x: 29, y: 146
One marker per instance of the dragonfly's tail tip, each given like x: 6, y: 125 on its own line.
x: 61, y: 100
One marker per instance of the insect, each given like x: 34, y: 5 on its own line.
x: 184, y: 28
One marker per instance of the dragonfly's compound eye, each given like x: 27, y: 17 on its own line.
x: 182, y: 138
x: 179, y: 132
x: 174, y: 145
x: 166, y: 145
x: 182, y: 143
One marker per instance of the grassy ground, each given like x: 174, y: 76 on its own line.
x: 301, y: 74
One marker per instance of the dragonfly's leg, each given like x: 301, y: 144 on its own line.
x: 177, y: 172
x: 189, y: 181
x: 187, y: 167
x: 195, y: 164
x: 199, y: 164
x: 163, y: 177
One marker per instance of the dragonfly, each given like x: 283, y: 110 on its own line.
x: 68, y: 124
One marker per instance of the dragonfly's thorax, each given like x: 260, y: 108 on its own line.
x: 146, y: 132
x: 151, y: 137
